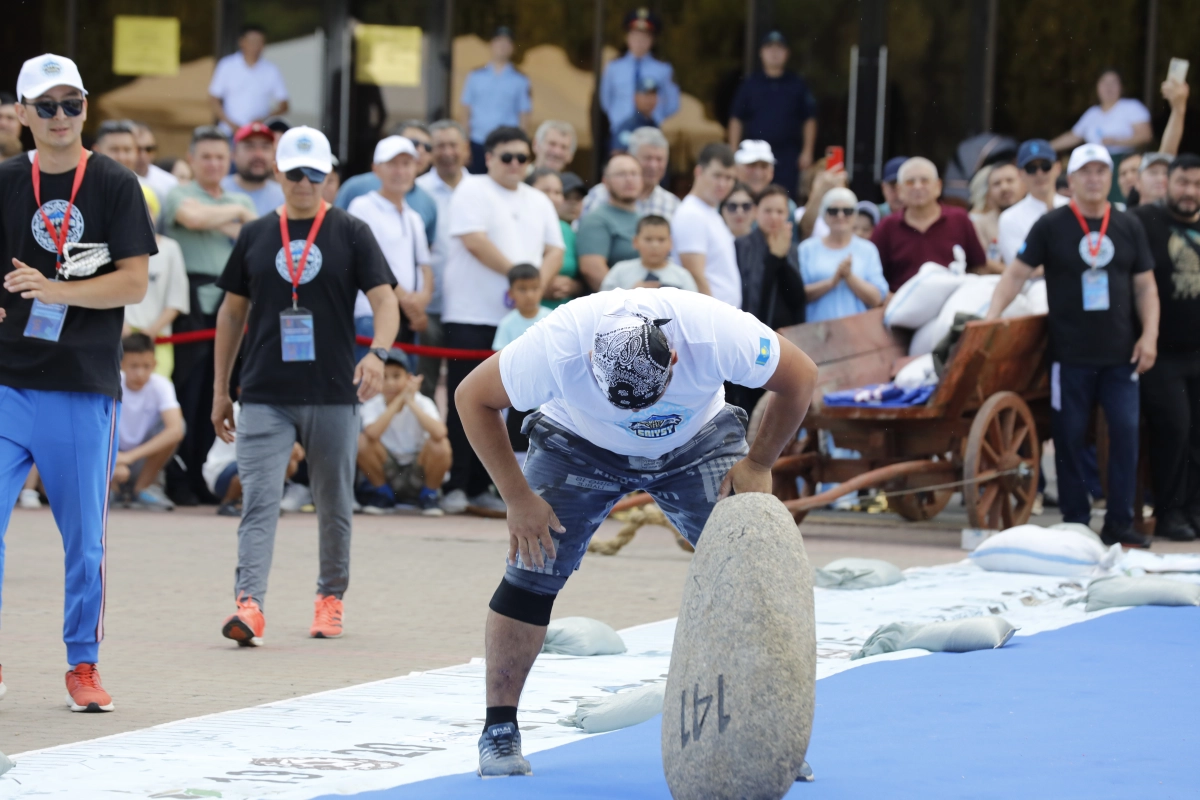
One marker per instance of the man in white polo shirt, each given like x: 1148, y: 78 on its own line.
x: 401, y: 235
x: 629, y: 390
x: 1039, y: 171
x: 496, y: 222
x: 702, y: 241
x: 245, y: 87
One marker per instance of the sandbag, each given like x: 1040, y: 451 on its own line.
x: 1035, y: 296
x: 917, y: 373
x: 920, y: 298
x: 949, y: 636
x: 857, y: 573
x: 973, y: 296
x: 617, y: 711
x: 582, y: 636
x: 1144, y: 590
x: 1042, y: 551
x: 5, y: 764
x: 1078, y: 527
x: 739, y: 700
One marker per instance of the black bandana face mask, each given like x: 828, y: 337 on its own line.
x: 632, y: 364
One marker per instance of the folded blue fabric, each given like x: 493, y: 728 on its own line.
x: 885, y: 395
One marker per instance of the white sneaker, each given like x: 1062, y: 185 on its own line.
x: 455, y: 502
x: 295, y: 497
x: 29, y: 499
x: 486, y: 504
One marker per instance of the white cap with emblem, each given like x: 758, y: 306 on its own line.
x: 303, y: 147
x: 41, y: 74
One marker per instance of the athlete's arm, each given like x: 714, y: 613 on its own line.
x: 791, y: 390
x: 125, y: 286
x: 480, y: 399
x: 231, y: 322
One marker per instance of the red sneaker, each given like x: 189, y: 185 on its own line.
x: 327, y: 620
x: 84, y: 692
x: 247, y: 625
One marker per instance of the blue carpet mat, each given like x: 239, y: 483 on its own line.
x: 1105, y: 708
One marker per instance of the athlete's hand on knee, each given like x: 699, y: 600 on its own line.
x: 222, y: 418
x: 368, y: 377
x: 29, y: 283
x: 746, y: 476
x: 530, y: 521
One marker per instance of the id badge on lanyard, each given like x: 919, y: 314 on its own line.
x: 1095, y: 278
x: 46, y: 320
x: 1095, y: 290
x: 296, y: 329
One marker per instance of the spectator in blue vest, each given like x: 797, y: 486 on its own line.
x: 418, y: 199
x: 624, y: 75
x: 494, y: 96
x: 775, y: 105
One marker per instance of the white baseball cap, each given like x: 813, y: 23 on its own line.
x: 1086, y: 154
x: 41, y: 74
x: 753, y: 151
x: 303, y: 147
x: 393, y: 146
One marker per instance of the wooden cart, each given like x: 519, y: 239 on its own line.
x: 978, y: 433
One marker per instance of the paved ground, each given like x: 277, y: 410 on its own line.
x: 417, y: 598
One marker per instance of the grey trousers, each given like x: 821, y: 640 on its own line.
x: 265, y: 435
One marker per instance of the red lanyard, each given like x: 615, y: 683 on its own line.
x: 296, y: 271
x: 60, y: 242
x: 1087, y: 233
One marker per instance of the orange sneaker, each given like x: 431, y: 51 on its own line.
x: 327, y: 621
x: 84, y: 692
x: 247, y: 625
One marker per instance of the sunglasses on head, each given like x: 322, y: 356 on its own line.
x: 48, y: 109
x: 736, y: 207
x: 508, y: 158
x: 1034, y: 167
x: 300, y: 173
x: 833, y: 211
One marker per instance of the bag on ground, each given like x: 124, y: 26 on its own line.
x: 950, y: 636
x: 857, y: 573
x: 1144, y: 590
x: 1042, y: 551
x: 582, y: 636
x: 622, y: 710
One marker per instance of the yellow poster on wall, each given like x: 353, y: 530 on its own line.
x: 388, y: 55
x: 145, y: 45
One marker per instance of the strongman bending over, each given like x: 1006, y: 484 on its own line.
x: 629, y: 391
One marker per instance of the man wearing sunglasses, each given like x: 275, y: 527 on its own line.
x: 149, y: 173
x: 628, y: 387
x: 496, y: 221
x: 293, y: 277
x: 1039, y: 170
x: 75, y: 241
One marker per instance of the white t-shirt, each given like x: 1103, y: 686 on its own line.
x: 142, y: 410
x: 221, y: 454
x: 441, y: 192
x: 550, y: 366
x: 168, y: 287
x: 698, y: 228
x: 521, y: 224
x: 1117, y: 122
x: 247, y: 92
x: 1015, y: 222
x: 404, y: 436
x: 401, y: 237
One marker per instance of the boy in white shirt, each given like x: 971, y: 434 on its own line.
x: 654, y: 269
x: 403, y: 450
x: 150, y: 430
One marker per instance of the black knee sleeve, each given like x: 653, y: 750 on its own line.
x: 521, y: 604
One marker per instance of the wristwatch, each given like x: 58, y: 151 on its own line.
x: 381, y: 353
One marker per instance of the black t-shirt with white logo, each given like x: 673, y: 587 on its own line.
x: 344, y: 259
x: 1092, y: 338
x: 109, y: 208
x: 1175, y: 246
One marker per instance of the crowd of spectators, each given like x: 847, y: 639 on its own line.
x: 486, y: 230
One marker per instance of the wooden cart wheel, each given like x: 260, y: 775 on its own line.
x: 920, y: 506
x: 1003, y: 437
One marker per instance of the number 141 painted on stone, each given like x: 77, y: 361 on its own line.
x: 699, y: 715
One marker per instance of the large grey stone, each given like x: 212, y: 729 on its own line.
x: 739, y: 699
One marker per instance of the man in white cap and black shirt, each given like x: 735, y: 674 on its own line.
x: 629, y: 390
x: 294, y: 275
x: 75, y: 242
x: 1100, y: 285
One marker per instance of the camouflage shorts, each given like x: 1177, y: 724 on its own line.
x: 581, y: 482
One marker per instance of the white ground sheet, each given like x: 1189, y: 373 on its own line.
x: 426, y: 724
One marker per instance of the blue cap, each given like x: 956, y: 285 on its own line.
x: 503, y: 30
x: 647, y: 85
x: 774, y: 37
x: 1034, y: 150
x: 891, y: 169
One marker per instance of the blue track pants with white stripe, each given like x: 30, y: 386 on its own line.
x: 72, y: 437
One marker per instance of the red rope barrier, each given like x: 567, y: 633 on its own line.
x: 192, y: 337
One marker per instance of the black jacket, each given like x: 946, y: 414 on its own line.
x: 772, y: 289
